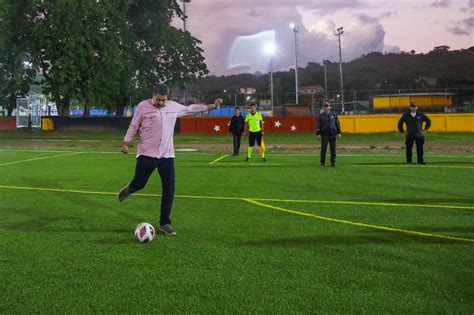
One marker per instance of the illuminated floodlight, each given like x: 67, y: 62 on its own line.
x: 269, y: 48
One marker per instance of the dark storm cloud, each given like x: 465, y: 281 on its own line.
x: 465, y: 27
x: 364, y: 18
x: 441, y: 3
x: 233, y: 19
x: 469, y: 22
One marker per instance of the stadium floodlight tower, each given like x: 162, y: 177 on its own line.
x: 185, y: 17
x: 270, y: 50
x: 295, y: 29
x: 339, y: 32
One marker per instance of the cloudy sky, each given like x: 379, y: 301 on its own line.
x: 234, y: 32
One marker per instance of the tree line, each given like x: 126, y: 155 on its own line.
x: 439, y: 68
x: 93, y: 52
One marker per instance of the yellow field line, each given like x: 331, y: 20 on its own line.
x: 218, y: 159
x: 254, y: 201
x: 406, y: 166
x: 244, y: 198
x: 367, y: 203
x: 40, y: 158
x: 371, y: 226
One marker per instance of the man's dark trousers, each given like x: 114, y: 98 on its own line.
x: 419, y: 140
x: 324, y: 145
x: 143, y: 170
x: 236, y: 138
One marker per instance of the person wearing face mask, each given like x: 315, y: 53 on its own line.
x: 154, y: 121
x: 414, y: 132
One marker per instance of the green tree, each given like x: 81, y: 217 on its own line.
x: 75, y: 45
x: 155, y: 51
x: 16, y: 72
x: 95, y: 52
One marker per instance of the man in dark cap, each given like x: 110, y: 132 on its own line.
x: 414, y: 132
x: 327, y: 129
x: 154, y: 121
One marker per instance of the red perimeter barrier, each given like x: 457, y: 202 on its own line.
x: 220, y: 125
x: 7, y: 123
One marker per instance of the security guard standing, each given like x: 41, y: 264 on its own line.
x: 327, y: 129
x: 414, y: 132
x: 236, y: 127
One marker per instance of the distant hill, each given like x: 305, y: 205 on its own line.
x: 438, y: 68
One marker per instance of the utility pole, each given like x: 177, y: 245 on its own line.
x: 271, y: 84
x: 339, y: 33
x: 185, y: 17
x: 294, y: 27
x: 325, y: 80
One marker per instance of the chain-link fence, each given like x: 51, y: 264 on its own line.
x: 352, y: 102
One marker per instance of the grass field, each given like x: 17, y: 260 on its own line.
x: 371, y: 236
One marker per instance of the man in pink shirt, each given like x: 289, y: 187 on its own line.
x: 154, y: 122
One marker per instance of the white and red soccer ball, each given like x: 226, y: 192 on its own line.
x: 145, y: 232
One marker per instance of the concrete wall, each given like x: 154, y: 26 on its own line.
x: 287, y: 124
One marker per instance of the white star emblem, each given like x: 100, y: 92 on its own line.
x: 217, y: 128
x: 293, y: 128
x: 277, y: 124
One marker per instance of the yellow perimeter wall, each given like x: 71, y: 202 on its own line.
x: 389, y: 123
x: 404, y: 100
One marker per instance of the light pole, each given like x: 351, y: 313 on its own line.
x: 325, y: 63
x: 185, y: 30
x: 339, y: 32
x: 294, y: 27
x: 270, y: 49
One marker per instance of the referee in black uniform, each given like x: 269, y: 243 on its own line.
x: 414, y: 132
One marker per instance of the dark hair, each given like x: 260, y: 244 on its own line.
x: 253, y: 104
x: 237, y: 108
x: 161, y: 89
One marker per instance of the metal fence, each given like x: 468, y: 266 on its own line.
x: 356, y: 102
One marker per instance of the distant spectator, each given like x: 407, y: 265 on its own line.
x: 30, y: 123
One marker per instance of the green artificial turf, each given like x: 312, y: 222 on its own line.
x: 67, y: 244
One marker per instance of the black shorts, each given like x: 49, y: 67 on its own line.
x: 255, y: 136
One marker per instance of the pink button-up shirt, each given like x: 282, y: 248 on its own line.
x: 155, y: 127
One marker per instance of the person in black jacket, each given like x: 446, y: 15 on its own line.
x: 414, y: 132
x: 236, y: 127
x: 327, y: 129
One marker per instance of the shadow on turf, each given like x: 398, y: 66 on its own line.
x: 44, y: 225
x: 348, y: 240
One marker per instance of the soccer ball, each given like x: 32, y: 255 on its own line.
x: 145, y: 232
